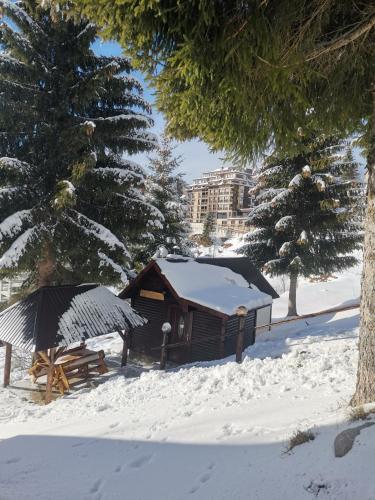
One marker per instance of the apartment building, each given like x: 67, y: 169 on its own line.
x: 10, y: 286
x: 225, y: 193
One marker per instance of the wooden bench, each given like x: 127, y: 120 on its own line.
x: 67, y: 367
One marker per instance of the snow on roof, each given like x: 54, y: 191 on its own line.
x: 212, y: 286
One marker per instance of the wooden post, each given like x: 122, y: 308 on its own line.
x: 50, y: 372
x: 166, y: 329
x: 125, y: 347
x: 241, y: 313
x: 8, y: 363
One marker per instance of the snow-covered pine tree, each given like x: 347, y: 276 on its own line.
x: 304, y: 220
x: 164, y: 190
x: 71, y: 204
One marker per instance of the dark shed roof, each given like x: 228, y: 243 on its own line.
x: 62, y: 315
x: 243, y: 266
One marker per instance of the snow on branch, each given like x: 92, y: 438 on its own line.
x: 12, y: 256
x: 281, y: 197
x: 92, y: 228
x: 285, y: 223
x: 121, y: 175
x: 107, y: 261
x: 12, y: 225
x: 277, y: 169
x: 23, y: 43
x: 144, y: 120
x: 6, y: 61
x: 13, y: 164
x: 268, y: 194
x: 296, y: 181
x: 20, y: 17
x: 89, y: 27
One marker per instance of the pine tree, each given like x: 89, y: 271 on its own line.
x: 164, y: 190
x: 304, y: 218
x: 71, y: 205
x: 208, y: 229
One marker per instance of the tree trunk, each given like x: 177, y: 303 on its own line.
x: 292, y: 301
x: 365, y: 390
x: 46, y: 266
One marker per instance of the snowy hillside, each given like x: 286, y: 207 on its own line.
x: 212, y: 431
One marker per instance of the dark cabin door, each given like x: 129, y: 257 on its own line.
x: 179, y: 335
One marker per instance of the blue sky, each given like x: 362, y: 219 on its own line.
x: 196, y: 157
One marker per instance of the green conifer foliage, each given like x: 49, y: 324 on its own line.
x: 305, y: 220
x: 164, y: 190
x: 208, y: 228
x: 71, y: 204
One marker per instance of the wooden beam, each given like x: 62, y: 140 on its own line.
x: 50, y: 373
x: 8, y: 363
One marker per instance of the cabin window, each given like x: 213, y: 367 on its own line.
x: 181, y: 327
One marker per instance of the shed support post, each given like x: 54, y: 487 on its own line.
x: 50, y: 372
x: 124, y: 356
x: 8, y: 363
x: 240, y: 339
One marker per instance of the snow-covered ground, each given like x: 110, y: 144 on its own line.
x: 214, y: 430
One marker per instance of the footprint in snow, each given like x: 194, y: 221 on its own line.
x: 203, y: 479
x: 13, y: 460
x: 115, y: 424
x: 96, y: 486
x: 141, y: 461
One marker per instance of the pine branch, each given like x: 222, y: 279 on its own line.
x: 343, y: 40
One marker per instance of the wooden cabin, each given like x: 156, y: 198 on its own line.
x: 199, y: 298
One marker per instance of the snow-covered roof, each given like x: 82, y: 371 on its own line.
x: 215, y: 287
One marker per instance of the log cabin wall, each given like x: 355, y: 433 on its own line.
x: 207, y: 343
x: 148, y: 337
x: 231, y: 332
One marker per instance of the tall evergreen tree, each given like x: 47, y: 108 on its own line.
x: 305, y: 219
x: 164, y: 190
x: 71, y: 205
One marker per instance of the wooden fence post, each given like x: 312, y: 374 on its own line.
x: 166, y: 329
x: 8, y: 363
x: 241, y: 313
